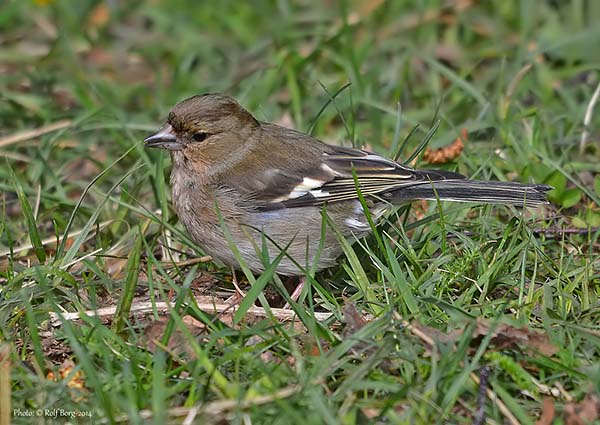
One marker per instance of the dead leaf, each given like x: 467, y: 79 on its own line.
x: 418, y: 209
x: 115, y: 267
x: 447, y: 153
x: 427, y: 333
x: 448, y: 53
x: 503, y: 336
x: 313, y: 347
x: 177, y: 346
x: 507, y: 336
x: 371, y: 412
x: 76, y: 380
x: 99, y: 16
x: 582, y: 413
x: 353, y: 319
x: 64, y: 98
x: 548, y: 412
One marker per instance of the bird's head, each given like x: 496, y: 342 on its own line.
x: 204, y: 123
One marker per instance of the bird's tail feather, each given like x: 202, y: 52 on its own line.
x: 508, y: 193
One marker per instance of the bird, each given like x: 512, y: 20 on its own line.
x: 267, y: 189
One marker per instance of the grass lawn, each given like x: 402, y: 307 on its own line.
x: 449, y: 313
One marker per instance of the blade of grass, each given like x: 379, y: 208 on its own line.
x: 424, y: 143
x: 33, y: 232
x: 72, y: 252
x: 61, y: 247
x: 315, y: 120
x: 133, y: 270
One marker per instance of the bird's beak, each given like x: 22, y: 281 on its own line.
x: 165, y: 138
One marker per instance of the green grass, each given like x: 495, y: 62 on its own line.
x: 92, y: 208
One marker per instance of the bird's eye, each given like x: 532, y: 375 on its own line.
x: 200, y: 137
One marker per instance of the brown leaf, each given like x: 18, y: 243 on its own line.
x: 313, y: 347
x: 548, y: 412
x: 583, y: 413
x: 427, y: 333
x: 371, y: 412
x: 418, y: 209
x: 76, y: 380
x: 99, y: 16
x: 448, y: 53
x: 447, y: 153
x: 507, y: 336
x: 115, y: 267
x: 353, y: 319
x: 177, y: 345
x: 503, y: 336
x: 64, y: 98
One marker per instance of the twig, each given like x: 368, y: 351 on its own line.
x: 32, y: 134
x: 587, y: 118
x: 483, y: 381
x: 185, y: 263
x: 545, y: 389
x: 565, y: 394
x: 501, y: 406
x: 148, y: 306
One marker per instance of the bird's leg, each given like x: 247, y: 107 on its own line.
x: 297, y: 291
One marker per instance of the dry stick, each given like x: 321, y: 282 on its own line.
x: 566, y: 395
x: 501, y: 406
x: 185, y: 263
x: 32, y: 134
x: 480, y: 412
x: 5, y: 385
x: 587, y: 119
x: 148, y: 306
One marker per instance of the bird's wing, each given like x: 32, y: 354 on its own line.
x: 332, y: 179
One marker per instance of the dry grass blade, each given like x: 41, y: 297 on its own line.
x: 32, y: 134
x: 512, y: 87
x: 185, y: 263
x: 587, y: 119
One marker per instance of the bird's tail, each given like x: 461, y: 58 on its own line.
x: 463, y: 190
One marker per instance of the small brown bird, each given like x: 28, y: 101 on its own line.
x: 264, y: 178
